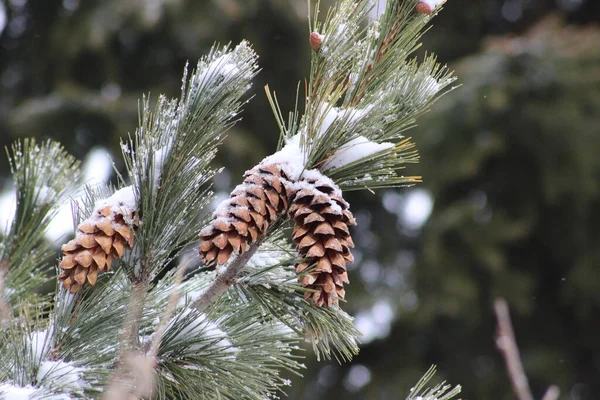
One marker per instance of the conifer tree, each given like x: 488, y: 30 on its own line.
x: 129, y: 317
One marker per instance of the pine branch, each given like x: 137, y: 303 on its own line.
x: 44, y: 175
x: 225, y: 279
x: 366, y: 89
x: 234, y: 333
x: 441, y: 391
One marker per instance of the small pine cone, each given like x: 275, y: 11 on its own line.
x: 322, y: 238
x: 428, y: 6
x: 99, y: 239
x: 239, y: 221
x: 315, y: 40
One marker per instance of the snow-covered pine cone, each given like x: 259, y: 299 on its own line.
x: 321, y: 219
x: 253, y: 206
x: 99, y: 239
x: 316, y: 206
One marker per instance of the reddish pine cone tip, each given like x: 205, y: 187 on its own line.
x: 94, y: 248
x: 245, y: 217
x: 322, y: 237
x: 428, y: 6
x: 315, y: 40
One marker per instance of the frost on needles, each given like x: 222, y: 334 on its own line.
x: 132, y: 316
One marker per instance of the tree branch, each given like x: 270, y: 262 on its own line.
x: 507, y: 344
x: 552, y: 393
x: 5, y: 310
x: 226, y: 278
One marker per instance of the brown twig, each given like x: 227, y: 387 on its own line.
x: 164, y: 320
x: 507, y: 344
x: 5, y: 310
x: 133, y: 377
x: 552, y: 393
x: 226, y: 278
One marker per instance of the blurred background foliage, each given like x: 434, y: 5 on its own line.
x: 510, y: 204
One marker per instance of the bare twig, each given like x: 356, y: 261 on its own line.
x: 226, y: 278
x: 173, y: 299
x: 507, y: 344
x: 552, y: 393
x: 131, y: 377
x: 5, y: 310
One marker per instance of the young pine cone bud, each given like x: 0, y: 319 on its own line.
x: 428, y: 6
x: 315, y: 40
x: 243, y: 218
x: 100, y: 239
x: 322, y: 237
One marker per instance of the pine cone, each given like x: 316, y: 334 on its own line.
x: 253, y: 206
x: 322, y: 238
x: 99, y: 239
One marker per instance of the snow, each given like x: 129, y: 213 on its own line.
x: 122, y: 201
x: 356, y: 149
x: 160, y: 157
x: 378, y: 9
x: 200, y: 326
x: 316, y: 176
x: 189, y: 296
x: 12, y: 392
x: 40, y: 344
x: 430, y: 86
x: 8, y: 205
x: 45, y: 195
x: 60, y: 373
x: 267, y: 258
x: 223, y: 68
x: 327, y: 115
x: 290, y: 157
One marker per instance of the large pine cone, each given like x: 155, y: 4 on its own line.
x: 321, y: 231
x: 99, y: 239
x: 254, y: 205
x: 322, y: 238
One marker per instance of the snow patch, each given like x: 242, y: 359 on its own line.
x: 40, y: 343
x: 291, y: 158
x: 160, y: 157
x: 12, y: 392
x: 327, y: 115
x: 60, y: 373
x: 355, y: 150
x: 122, y: 201
x: 430, y: 86
x: 199, y: 326
x: 266, y: 258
